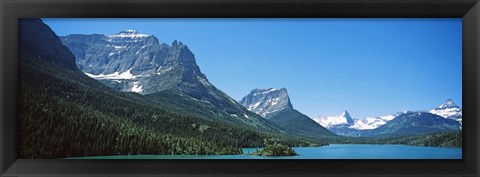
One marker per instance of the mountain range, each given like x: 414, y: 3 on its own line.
x: 133, y: 62
x: 345, y: 125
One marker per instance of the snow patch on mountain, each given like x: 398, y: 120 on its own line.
x: 368, y: 123
x: 137, y: 88
x: 116, y: 75
x: 128, y: 34
x: 446, y: 113
x: 388, y: 118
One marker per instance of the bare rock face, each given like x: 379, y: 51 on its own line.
x: 266, y: 102
x: 133, y: 62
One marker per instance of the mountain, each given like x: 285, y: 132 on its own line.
x: 266, y: 102
x: 33, y: 32
x: 416, y: 123
x: 339, y: 125
x: 448, y: 110
x: 374, y: 122
x: 274, y: 105
x: 133, y: 62
x: 342, y: 120
x: 368, y: 123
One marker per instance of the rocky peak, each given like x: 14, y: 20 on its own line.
x: 347, y: 117
x: 267, y: 101
x: 448, y: 104
x: 179, y: 53
x: 448, y: 110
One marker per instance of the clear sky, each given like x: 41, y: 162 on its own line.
x: 370, y: 67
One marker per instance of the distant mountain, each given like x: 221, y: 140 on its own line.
x: 334, y: 121
x: 448, y: 110
x: 345, y: 125
x: 274, y: 105
x: 404, y: 123
x: 267, y: 102
x: 339, y: 125
x: 374, y: 122
x: 416, y: 123
x: 133, y: 62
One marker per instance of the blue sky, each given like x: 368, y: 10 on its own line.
x: 370, y: 67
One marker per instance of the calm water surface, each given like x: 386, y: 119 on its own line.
x: 334, y: 151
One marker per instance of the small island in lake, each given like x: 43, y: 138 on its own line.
x: 275, y: 150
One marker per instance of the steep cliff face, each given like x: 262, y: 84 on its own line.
x: 266, y: 102
x: 134, y: 62
x: 125, y: 51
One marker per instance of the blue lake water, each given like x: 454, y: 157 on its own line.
x: 334, y: 151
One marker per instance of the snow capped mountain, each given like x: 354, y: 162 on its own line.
x: 129, y: 60
x: 340, y: 124
x: 265, y: 102
x: 342, y: 120
x: 448, y: 104
x: 448, y: 110
x: 346, y: 125
x: 368, y: 123
x: 374, y: 122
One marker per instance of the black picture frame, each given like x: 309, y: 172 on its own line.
x: 11, y: 10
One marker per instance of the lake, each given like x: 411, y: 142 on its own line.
x: 333, y: 151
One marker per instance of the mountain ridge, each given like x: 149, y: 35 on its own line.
x: 370, y: 126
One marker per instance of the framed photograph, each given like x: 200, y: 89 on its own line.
x: 239, y: 88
